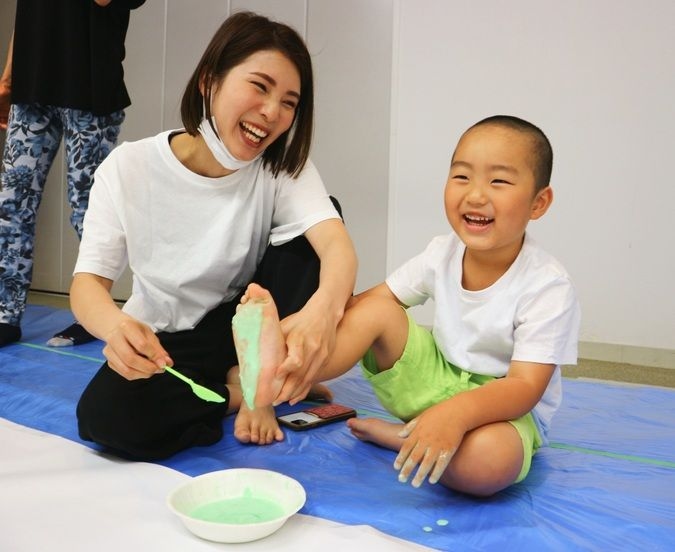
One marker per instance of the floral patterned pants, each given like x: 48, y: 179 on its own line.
x: 34, y: 133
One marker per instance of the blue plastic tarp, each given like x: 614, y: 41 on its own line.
x: 606, y: 482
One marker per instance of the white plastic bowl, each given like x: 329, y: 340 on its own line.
x: 244, y: 497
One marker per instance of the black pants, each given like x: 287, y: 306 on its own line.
x: 154, y: 418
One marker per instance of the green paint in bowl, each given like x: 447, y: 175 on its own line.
x: 236, y: 505
x: 242, y: 510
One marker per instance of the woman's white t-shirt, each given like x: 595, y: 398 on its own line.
x: 191, y: 242
x: 530, y: 314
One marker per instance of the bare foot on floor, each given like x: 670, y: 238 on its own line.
x: 377, y: 431
x: 260, y: 345
x: 257, y: 426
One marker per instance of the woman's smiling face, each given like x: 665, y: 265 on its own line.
x: 256, y: 103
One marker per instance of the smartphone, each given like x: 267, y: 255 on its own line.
x: 316, y: 416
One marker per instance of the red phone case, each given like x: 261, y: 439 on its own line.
x: 329, y: 410
x: 316, y: 416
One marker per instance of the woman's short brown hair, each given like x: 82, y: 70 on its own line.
x: 241, y: 35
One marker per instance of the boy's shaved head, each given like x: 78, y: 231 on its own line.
x: 542, y: 153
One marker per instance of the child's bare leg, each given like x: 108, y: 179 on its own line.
x: 260, y: 345
x: 488, y: 460
x: 371, y: 322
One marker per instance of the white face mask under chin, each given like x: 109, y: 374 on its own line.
x: 218, y: 148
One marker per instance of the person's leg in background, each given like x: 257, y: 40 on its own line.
x: 33, y: 137
x: 88, y: 139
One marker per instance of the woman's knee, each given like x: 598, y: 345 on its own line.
x: 113, y: 424
x: 118, y: 415
x: 146, y: 419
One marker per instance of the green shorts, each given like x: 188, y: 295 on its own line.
x: 422, y: 377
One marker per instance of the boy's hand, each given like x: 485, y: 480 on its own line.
x: 434, y: 436
x: 431, y: 441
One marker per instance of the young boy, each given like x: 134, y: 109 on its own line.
x: 477, y: 392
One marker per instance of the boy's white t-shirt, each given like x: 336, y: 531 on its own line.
x: 190, y: 241
x: 530, y: 314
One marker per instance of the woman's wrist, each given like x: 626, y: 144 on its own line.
x: 327, y: 305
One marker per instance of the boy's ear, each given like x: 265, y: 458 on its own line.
x: 542, y: 201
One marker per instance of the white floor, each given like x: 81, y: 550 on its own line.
x: 58, y: 495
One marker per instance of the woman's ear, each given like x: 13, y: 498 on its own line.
x: 202, y: 86
x: 205, y: 82
x: 542, y: 201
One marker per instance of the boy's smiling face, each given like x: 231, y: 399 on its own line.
x: 490, y: 194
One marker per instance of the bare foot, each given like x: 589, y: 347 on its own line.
x: 258, y: 426
x: 260, y: 345
x: 377, y: 431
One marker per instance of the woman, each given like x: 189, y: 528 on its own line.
x: 192, y: 211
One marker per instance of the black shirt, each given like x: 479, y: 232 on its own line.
x: 68, y: 53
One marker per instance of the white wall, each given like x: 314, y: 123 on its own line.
x: 598, y: 77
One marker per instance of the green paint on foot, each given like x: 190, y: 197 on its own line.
x: 247, y: 326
